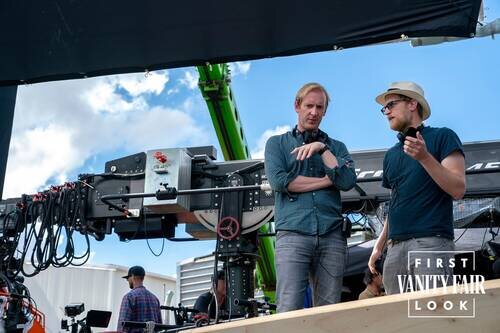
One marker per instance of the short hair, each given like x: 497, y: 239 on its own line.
x: 420, y: 109
x: 307, y: 88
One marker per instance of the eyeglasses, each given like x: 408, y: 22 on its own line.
x: 391, y: 104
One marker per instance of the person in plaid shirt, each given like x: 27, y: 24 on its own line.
x: 139, y: 304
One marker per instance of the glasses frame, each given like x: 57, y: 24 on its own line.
x: 392, y: 104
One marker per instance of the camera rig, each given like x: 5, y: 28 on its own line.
x: 93, y: 318
x: 145, y: 195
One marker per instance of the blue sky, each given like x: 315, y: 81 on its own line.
x: 65, y: 128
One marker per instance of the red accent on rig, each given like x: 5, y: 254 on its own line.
x: 228, y: 228
x: 162, y: 158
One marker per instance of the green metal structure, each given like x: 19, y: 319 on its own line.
x: 215, y: 87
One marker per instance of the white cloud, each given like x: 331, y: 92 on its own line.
x: 190, y: 79
x: 103, y: 97
x: 173, y: 91
x: 58, y: 126
x: 239, y: 68
x: 258, y: 151
x: 37, y: 155
x: 136, y: 84
x: 161, y: 127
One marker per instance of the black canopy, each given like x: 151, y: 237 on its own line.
x: 54, y: 39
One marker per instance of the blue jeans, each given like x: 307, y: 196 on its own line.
x: 300, y: 259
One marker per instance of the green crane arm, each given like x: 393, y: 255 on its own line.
x: 215, y: 87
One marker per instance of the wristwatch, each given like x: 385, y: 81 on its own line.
x: 322, y: 150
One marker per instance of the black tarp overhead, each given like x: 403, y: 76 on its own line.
x: 60, y: 39
x: 7, y: 103
x: 66, y: 39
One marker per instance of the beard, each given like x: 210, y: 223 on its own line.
x: 397, y: 125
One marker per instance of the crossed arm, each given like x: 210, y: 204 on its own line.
x: 339, y: 169
x: 305, y: 184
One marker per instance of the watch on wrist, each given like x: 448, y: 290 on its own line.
x: 322, y: 150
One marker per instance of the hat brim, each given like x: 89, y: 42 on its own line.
x: 126, y: 276
x: 426, y: 109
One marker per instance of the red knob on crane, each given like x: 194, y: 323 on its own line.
x: 162, y: 158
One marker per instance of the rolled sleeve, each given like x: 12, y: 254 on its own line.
x: 342, y: 176
x: 275, y: 166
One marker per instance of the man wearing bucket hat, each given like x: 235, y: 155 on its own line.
x: 425, y: 171
x: 139, y: 304
x: 307, y: 170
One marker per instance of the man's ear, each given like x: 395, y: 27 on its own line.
x: 296, y: 105
x: 414, y: 104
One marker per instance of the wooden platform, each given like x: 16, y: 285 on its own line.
x: 385, y: 314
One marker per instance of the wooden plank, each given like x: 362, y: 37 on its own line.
x: 382, y: 314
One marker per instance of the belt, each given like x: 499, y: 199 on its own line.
x: 397, y: 241
x: 394, y: 241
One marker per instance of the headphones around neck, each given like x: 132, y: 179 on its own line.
x: 410, y: 131
x: 310, y: 136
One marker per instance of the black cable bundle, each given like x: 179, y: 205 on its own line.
x: 45, y: 226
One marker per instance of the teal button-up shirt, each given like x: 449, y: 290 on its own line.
x: 311, y: 213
